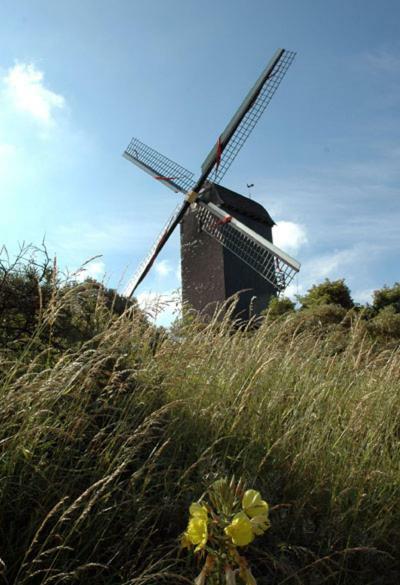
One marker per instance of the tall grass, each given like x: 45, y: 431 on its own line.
x: 103, y: 448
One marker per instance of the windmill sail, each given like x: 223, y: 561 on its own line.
x: 241, y: 125
x: 268, y: 260
x: 159, y: 166
x: 148, y: 262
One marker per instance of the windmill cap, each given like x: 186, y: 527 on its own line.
x: 233, y: 202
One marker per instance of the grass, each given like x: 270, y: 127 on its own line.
x: 104, y: 447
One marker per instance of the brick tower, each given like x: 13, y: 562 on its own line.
x: 211, y: 274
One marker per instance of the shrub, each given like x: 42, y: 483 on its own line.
x: 386, y: 323
x: 279, y: 306
x: 39, y: 308
x: 387, y: 297
x: 327, y: 293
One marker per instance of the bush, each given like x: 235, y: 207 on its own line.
x: 386, y: 323
x: 387, y: 297
x: 38, y: 308
x: 279, y: 306
x: 328, y: 293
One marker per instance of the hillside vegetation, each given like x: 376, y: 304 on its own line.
x: 110, y: 428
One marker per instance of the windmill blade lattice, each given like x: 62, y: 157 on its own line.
x: 250, y: 118
x: 159, y: 166
x: 277, y: 267
x: 148, y: 262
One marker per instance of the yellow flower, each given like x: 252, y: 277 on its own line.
x: 196, y: 532
x: 260, y: 524
x: 197, y: 510
x: 240, y: 530
x: 253, y: 504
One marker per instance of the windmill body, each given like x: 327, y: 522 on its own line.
x: 226, y: 238
x: 211, y: 273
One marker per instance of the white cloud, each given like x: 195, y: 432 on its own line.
x: 289, y: 236
x: 325, y: 266
x: 349, y: 262
x: 95, y: 269
x: 363, y: 296
x: 162, y: 268
x: 25, y: 89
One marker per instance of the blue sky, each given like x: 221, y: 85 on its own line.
x: 78, y: 79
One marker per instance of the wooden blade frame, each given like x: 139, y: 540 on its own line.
x: 160, y: 167
x: 148, y: 262
x: 243, y: 122
x: 277, y: 267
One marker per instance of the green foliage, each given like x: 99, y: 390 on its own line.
x: 279, y: 306
x: 387, y: 297
x: 386, y: 323
x: 320, y: 317
x: 327, y: 293
x: 39, y: 309
x: 25, y: 289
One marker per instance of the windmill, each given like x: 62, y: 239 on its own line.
x: 226, y: 238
